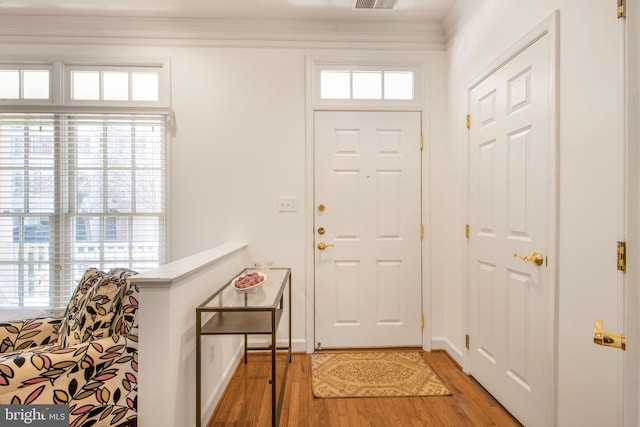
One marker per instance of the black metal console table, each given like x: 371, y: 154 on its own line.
x: 255, y: 312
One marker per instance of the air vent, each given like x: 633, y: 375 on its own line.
x: 375, y: 4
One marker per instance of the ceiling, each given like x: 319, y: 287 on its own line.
x: 274, y: 10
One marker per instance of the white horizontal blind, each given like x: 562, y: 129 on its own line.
x: 77, y: 191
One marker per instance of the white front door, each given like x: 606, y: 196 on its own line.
x: 368, y: 285
x: 511, y: 300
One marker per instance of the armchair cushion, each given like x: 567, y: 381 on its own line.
x: 92, y: 309
x: 25, y: 334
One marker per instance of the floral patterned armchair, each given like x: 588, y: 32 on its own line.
x: 87, y: 359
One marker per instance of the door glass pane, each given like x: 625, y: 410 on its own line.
x: 144, y: 86
x: 335, y: 84
x: 9, y: 84
x: 85, y: 85
x: 116, y: 85
x: 36, y: 84
x: 398, y: 85
x: 367, y: 85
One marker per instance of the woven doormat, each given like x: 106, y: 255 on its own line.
x: 373, y: 374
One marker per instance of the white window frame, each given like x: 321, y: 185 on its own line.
x: 31, y: 66
x: 161, y: 67
x: 61, y: 102
x: 415, y: 68
x: 60, y: 81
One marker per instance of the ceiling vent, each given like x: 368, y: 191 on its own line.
x: 375, y: 4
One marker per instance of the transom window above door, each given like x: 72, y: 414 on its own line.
x: 367, y: 84
x: 341, y: 84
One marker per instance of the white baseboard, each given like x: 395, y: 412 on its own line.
x: 297, y: 345
x: 443, y: 343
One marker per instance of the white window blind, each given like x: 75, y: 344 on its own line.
x: 77, y: 191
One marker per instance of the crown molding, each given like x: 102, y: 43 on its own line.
x: 461, y: 11
x: 211, y: 32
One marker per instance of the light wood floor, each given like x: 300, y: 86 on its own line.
x: 247, y: 400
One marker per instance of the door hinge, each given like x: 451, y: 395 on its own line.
x: 422, y: 320
x: 466, y: 341
x: 622, y: 256
x: 422, y: 231
x: 467, y: 231
x: 421, y: 142
x: 622, y: 9
x: 468, y: 121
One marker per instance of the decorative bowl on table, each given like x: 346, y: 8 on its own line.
x: 249, y: 281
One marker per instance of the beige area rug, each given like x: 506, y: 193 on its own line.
x: 373, y: 374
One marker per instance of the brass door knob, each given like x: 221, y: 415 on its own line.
x: 322, y: 246
x: 535, y: 258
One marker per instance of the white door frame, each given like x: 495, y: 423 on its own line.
x: 629, y: 54
x: 399, y: 59
x: 548, y: 27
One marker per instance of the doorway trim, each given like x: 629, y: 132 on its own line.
x: 629, y: 231
x: 416, y: 60
x: 548, y: 27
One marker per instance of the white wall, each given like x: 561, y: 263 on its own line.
x: 588, y: 216
x: 167, y: 341
x: 238, y: 145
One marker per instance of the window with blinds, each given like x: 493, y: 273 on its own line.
x: 77, y: 191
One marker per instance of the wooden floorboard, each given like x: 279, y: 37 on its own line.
x: 247, y: 400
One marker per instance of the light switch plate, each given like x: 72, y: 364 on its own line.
x: 287, y: 204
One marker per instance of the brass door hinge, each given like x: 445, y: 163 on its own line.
x: 422, y: 231
x: 468, y: 121
x: 467, y: 231
x: 466, y: 341
x: 622, y: 9
x: 421, y: 142
x: 422, y: 321
x: 622, y: 256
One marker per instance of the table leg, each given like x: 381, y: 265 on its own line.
x: 198, y: 370
x: 245, y: 348
x: 274, y: 414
